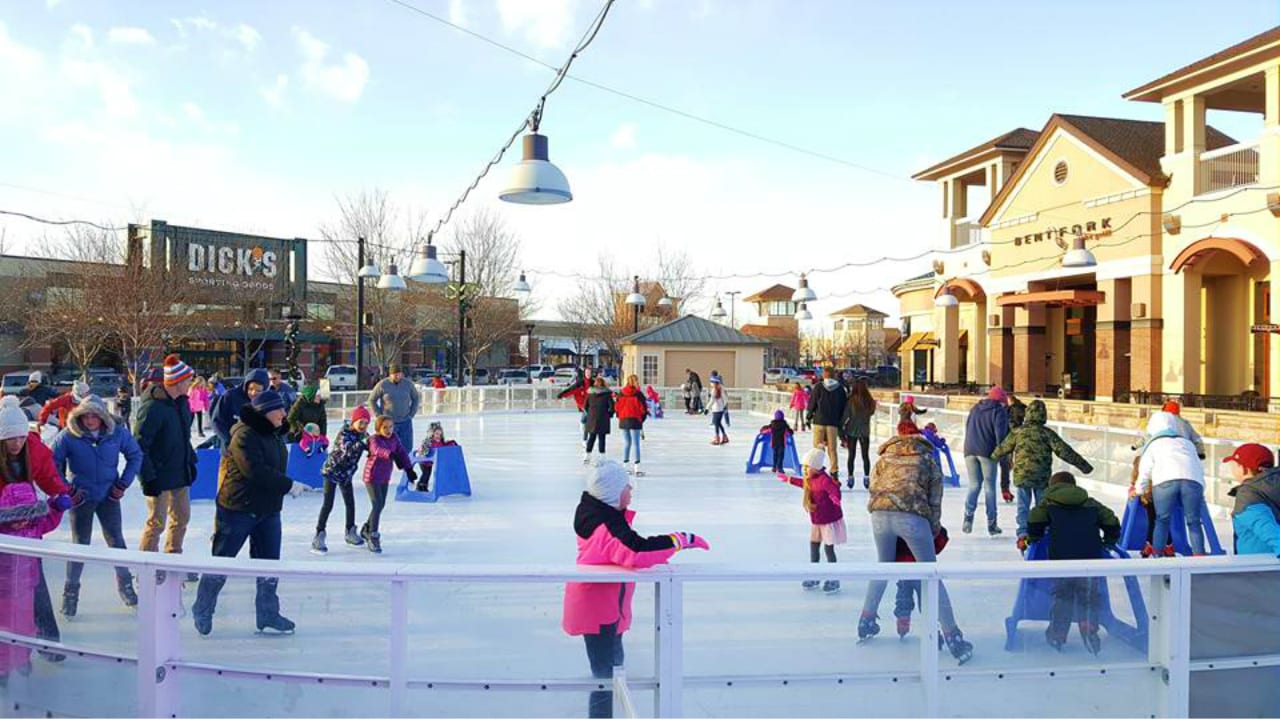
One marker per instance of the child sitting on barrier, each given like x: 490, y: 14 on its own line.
x: 312, y: 441
x: 940, y: 448
x: 821, y: 498
x: 779, y: 431
x: 22, y: 514
x: 1078, y: 527
x: 909, y: 590
x: 435, y: 439
x: 337, y: 471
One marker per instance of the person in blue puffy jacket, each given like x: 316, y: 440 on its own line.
x: 226, y: 409
x: 1256, y: 515
x: 87, y: 453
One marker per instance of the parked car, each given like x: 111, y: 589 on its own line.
x: 537, y: 368
x: 563, y: 377
x: 542, y: 375
x: 341, y: 377
x: 104, y: 382
x: 477, y: 376
x: 807, y: 376
x: 782, y: 376
x: 513, y: 377
x: 14, y: 382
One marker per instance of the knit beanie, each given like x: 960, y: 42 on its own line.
x: 79, y: 390
x: 36, y: 377
x: 1172, y: 407
x: 268, y: 400
x: 606, y: 481
x: 309, y: 392
x: 175, y: 371
x: 361, y: 413
x: 311, y: 428
x: 815, y: 459
x: 778, y: 415
x: 13, y: 420
x: 998, y: 394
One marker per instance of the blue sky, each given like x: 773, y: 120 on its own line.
x: 252, y: 116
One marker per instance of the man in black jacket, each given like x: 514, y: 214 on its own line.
x: 168, y: 460
x: 251, y: 489
x: 826, y: 410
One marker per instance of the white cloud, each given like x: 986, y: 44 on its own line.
x: 83, y: 35
x: 199, y: 22
x: 546, y: 24
x: 343, y: 80
x: 274, y: 94
x: 624, y: 138
x: 193, y: 112
x: 51, y: 4
x: 130, y: 36
x: 458, y: 12
x: 247, y: 36
x: 112, y: 87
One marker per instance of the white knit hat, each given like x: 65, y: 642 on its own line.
x: 80, y: 390
x: 14, y: 422
x: 815, y: 459
x: 606, y: 481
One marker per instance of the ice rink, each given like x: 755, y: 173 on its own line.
x: 526, y: 476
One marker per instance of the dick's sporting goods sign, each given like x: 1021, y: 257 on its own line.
x: 225, y: 267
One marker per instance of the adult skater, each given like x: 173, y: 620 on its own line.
x: 1171, y: 472
x: 168, y: 460
x: 87, y: 452
x: 578, y: 390
x: 226, y: 409
x: 984, y: 429
x: 718, y: 405
x: 599, y: 417
x: 632, y: 411
x: 825, y: 410
x: 36, y: 389
x: 251, y: 492
x: 855, y: 429
x: 397, y: 396
x: 695, y: 391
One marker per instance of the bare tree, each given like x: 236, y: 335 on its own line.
x: 493, y: 254
x: 68, y: 316
x: 678, y: 277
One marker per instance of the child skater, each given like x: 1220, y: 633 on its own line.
x: 22, y: 514
x: 779, y: 431
x: 655, y: 401
x: 909, y: 590
x: 337, y: 471
x: 601, y: 612
x: 385, y: 451
x: 435, y: 439
x: 312, y: 441
x: 822, y: 501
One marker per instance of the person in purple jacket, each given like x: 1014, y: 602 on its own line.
x: 385, y: 453
x: 984, y: 430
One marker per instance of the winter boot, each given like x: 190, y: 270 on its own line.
x: 867, y: 627
x: 636, y: 470
x: 203, y: 622
x: 127, y: 595
x: 904, y: 626
x: 993, y: 529
x: 1089, y: 634
x: 866, y: 483
x: 810, y: 584
x: 353, y: 537
x: 364, y: 533
x: 961, y: 649
x: 279, y: 624
x: 1055, y: 638
x: 70, y: 599
x: 317, y: 545
x: 831, y: 587
x: 375, y: 542
x: 1148, y: 551
x: 967, y: 526
x: 1169, y: 551
x: 586, y: 457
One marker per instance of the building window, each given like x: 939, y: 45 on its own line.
x: 649, y: 369
x: 781, y: 308
x: 1060, y: 172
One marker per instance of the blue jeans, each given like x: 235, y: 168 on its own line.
x: 1028, y: 497
x: 404, y: 431
x: 1188, y: 493
x: 982, y: 471
x: 717, y: 419
x: 231, y: 529
x: 886, y: 527
x: 108, y: 513
x: 604, y: 652
x: 630, y: 436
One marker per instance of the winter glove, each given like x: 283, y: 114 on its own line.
x: 61, y: 503
x: 78, y: 497
x: 686, y: 540
x: 1006, y: 494
x: 116, y: 492
x: 297, y: 489
x: 412, y: 475
x: 1022, y: 544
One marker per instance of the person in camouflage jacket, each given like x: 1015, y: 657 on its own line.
x: 907, y: 479
x: 1033, y: 446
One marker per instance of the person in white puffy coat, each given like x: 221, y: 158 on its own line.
x: 1169, y: 472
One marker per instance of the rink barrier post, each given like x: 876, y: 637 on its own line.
x: 1176, y: 699
x: 159, y: 607
x: 929, y: 678
x: 398, y: 678
x: 668, y: 647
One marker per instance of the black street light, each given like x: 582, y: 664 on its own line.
x: 636, y: 301
x: 390, y: 281
x: 528, y: 328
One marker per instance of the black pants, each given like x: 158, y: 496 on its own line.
x: 1150, y: 509
x: 854, y: 444
x: 46, y: 621
x: 348, y: 499
x: 231, y: 530
x: 199, y: 422
x: 1073, y: 599
x: 377, y: 501
x: 604, y: 652
x: 779, y: 456
x: 592, y: 438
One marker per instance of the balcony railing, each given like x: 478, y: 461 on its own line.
x: 1227, y: 167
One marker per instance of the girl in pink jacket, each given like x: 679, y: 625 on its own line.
x: 822, y: 501
x: 22, y: 514
x: 198, y: 401
x: 385, y: 453
x: 799, y: 403
x: 601, y: 612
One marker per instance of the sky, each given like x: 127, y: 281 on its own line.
x: 254, y: 117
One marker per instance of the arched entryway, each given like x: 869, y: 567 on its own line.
x: 1225, y: 285
x: 962, y: 333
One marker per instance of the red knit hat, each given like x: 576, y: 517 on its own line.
x: 361, y: 413
x: 1171, y: 406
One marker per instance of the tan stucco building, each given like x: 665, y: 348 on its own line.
x: 1184, y: 224
x: 660, y: 355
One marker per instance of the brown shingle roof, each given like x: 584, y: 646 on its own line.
x: 858, y: 310
x: 1016, y: 139
x: 769, y: 332
x: 1149, y: 92
x: 777, y: 292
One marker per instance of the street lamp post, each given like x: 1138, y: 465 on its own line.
x: 733, y: 296
x: 636, y: 301
x: 528, y: 328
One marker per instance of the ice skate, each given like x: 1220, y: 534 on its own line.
x: 278, y: 625
x: 586, y: 457
x: 1089, y: 634
x: 70, y: 599
x: 636, y: 470
x: 993, y: 529
x: 317, y: 545
x: 810, y: 584
x: 1148, y: 551
x: 375, y: 542
x: 961, y: 649
x: 127, y: 595
x: 867, y: 628
x: 353, y: 538
x: 967, y: 526
x: 904, y: 626
x: 831, y: 587
x: 1055, y: 639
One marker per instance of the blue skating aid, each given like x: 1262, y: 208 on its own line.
x: 305, y: 468
x: 954, y: 478
x: 206, y: 485
x: 1035, y: 597
x: 762, y: 454
x: 1133, y: 528
x: 448, y: 476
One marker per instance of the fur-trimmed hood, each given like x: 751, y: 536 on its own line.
x: 90, y: 406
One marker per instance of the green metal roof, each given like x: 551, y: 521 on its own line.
x: 692, y: 330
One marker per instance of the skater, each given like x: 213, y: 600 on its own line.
x: 719, y: 407
x: 578, y: 390
x: 36, y: 389
x: 632, y: 412
x: 226, y: 409
x: 87, y: 453
x: 198, y: 398
x: 287, y: 392
x: 251, y: 490
x: 1073, y: 521
x: 908, y: 593
x: 307, y: 409
x: 599, y: 413
x: 1172, y: 472
x: 168, y: 460
x: 984, y: 429
x: 312, y: 441
x: 907, y: 412
x: 601, y: 612
x: 799, y: 406
x: 779, y: 431
x: 1144, y: 501
x: 1017, y: 415
x: 435, y: 439
x: 824, y: 413
x: 1256, y: 515
x: 654, y: 401
x: 821, y: 499
x: 385, y: 451
x: 24, y: 459
x: 1032, y: 446
x: 941, y: 449
x: 695, y: 392
x: 338, y: 470
x: 23, y: 515
x: 1180, y: 427
x: 906, y: 503
x: 398, y: 397
x: 61, y: 406
x: 855, y: 429
x: 124, y: 405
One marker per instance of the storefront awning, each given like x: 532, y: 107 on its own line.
x: 919, y: 341
x: 1054, y: 298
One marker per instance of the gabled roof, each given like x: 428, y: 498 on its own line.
x: 692, y: 330
x: 777, y: 292
x: 1136, y: 146
x: 1152, y: 91
x: 1016, y: 139
x: 859, y: 310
